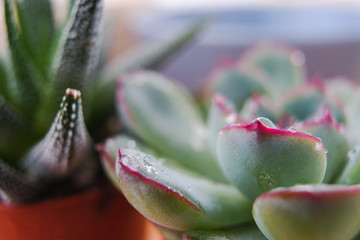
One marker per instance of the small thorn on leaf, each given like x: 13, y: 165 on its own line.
x: 73, y: 92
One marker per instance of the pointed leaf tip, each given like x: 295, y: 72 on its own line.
x: 66, y: 146
x: 73, y: 92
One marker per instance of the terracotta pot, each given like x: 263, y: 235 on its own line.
x: 99, y: 213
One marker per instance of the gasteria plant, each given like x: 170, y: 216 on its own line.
x: 41, y: 157
x: 237, y: 175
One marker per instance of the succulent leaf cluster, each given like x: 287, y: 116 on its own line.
x: 56, y: 91
x: 260, y: 152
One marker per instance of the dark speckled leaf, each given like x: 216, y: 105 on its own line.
x: 15, y: 188
x: 67, y: 144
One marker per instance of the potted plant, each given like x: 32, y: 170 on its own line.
x: 262, y: 152
x: 56, y: 99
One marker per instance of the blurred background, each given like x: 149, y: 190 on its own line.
x: 328, y: 32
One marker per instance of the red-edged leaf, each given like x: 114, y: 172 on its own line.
x: 256, y: 158
x: 333, y: 137
x: 177, y: 198
x: 311, y: 212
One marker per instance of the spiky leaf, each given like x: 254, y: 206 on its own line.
x: 16, y: 188
x: 37, y: 30
x: 66, y: 146
x: 152, y: 56
x: 71, y: 63
x: 27, y: 76
x: 13, y: 125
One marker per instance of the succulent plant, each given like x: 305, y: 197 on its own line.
x: 46, y: 150
x: 260, y: 152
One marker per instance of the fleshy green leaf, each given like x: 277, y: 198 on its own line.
x: 67, y: 145
x: 221, y: 114
x: 306, y: 100
x: 110, y: 149
x: 282, y: 64
x: 16, y: 188
x: 351, y: 173
x: 352, y: 113
x: 260, y: 106
x: 303, y: 102
x: 163, y: 114
x: 243, y: 232
x: 237, y: 86
x: 341, y: 88
x: 332, y: 135
x: 177, y: 198
x: 312, y: 212
x: 256, y: 158
x: 37, y: 30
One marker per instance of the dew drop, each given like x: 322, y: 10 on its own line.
x: 188, y: 188
x: 73, y: 107
x: 71, y: 124
x: 231, y: 118
x: 73, y: 116
x: 326, y: 151
x: 318, y: 146
x: 353, y: 152
x: 149, y: 161
x: 131, y: 161
x: 131, y: 144
x: 266, y: 122
x: 292, y: 129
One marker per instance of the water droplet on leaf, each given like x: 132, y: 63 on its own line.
x: 231, y: 118
x: 292, y: 129
x: 131, y: 162
x: 149, y: 161
x: 131, y: 144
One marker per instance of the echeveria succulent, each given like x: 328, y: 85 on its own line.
x: 45, y: 147
x: 230, y: 172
